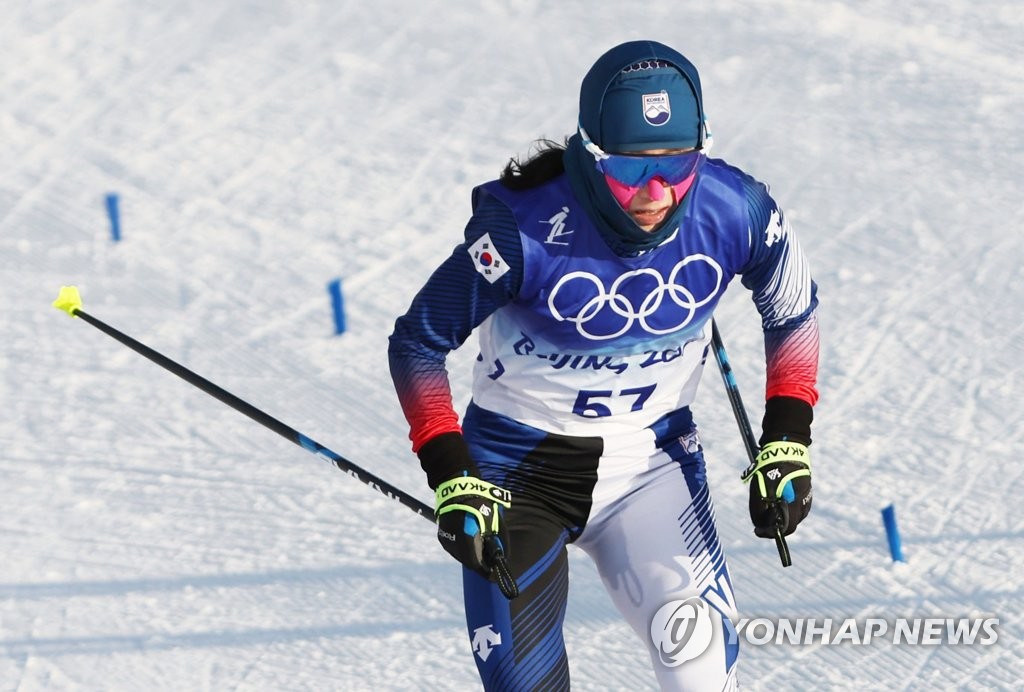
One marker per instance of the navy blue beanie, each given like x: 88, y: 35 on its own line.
x: 642, y: 95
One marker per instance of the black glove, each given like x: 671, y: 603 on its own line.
x: 469, y: 511
x: 780, y: 487
x: 780, y: 477
x: 471, y: 527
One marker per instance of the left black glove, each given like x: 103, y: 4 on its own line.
x: 780, y: 487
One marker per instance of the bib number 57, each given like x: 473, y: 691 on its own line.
x: 598, y: 403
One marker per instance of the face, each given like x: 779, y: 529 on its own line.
x: 655, y: 199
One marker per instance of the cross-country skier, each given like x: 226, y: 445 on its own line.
x: 591, y: 271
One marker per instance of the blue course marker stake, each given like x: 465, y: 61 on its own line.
x: 892, y: 533
x: 115, y: 216
x: 337, y: 305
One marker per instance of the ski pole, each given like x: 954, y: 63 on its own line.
x: 740, y: 412
x: 70, y: 302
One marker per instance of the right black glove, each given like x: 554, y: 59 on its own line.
x: 471, y: 527
x: 469, y: 511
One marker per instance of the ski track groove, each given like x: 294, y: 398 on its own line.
x: 71, y: 134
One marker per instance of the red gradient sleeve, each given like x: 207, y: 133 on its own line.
x: 453, y: 302
x: 791, y: 356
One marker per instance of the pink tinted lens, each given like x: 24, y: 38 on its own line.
x: 682, y: 188
x: 623, y: 194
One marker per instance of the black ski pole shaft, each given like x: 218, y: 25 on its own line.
x: 746, y: 432
x: 70, y: 302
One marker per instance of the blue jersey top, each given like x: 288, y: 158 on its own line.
x: 573, y: 334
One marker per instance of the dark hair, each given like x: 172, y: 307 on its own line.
x: 543, y: 165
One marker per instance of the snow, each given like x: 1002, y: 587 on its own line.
x: 153, y: 538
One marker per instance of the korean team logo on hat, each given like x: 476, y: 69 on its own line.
x: 657, y: 109
x: 486, y: 259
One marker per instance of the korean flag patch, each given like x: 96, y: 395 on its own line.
x: 486, y: 258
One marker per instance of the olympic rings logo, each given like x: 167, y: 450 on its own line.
x: 619, y: 304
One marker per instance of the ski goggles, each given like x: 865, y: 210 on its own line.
x: 635, y: 170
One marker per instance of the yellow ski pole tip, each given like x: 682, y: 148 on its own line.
x: 68, y: 300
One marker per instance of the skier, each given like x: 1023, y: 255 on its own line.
x: 591, y: 271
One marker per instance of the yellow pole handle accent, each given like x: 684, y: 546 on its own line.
x: 68, y: 300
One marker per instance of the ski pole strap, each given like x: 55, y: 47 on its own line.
x: 494, y: 557
x: 780, y: 540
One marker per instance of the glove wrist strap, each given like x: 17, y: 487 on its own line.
x: 472, y: 486
x: 780, y: 452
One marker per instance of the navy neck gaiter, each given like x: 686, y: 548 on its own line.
x: 618, y: 229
